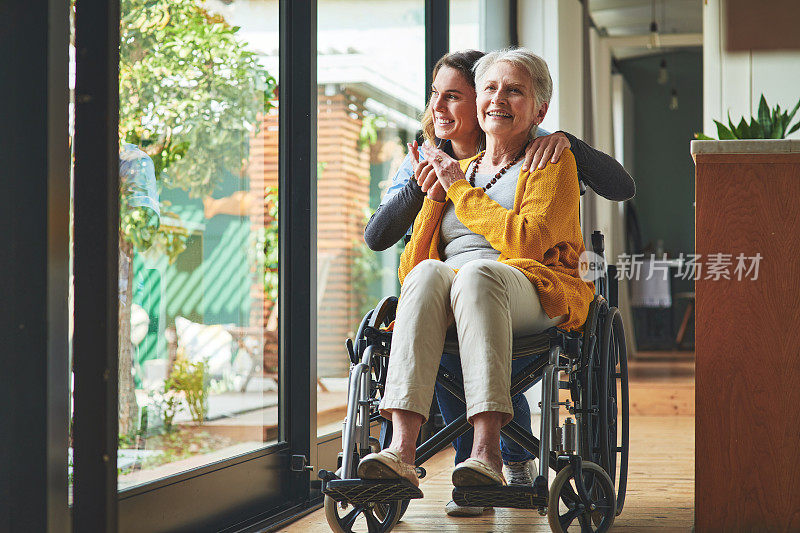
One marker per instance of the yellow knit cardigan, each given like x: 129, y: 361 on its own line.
x: 540, y: 236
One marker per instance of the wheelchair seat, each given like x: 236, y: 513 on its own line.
x: 525, y: 345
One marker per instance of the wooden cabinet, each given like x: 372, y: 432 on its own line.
x: 747, y: 428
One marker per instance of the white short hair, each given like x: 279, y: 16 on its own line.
x: 535, y: 66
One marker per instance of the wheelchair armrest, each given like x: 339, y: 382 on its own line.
x: 384, y: 312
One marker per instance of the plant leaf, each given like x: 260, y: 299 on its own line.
x: 793, y: 111
x: 731, y: 126
x: 793, y: 129
x: 723, y: 132
x: 764, y: 117
x: 778, y: 127
x: 743, y: 130
x: 756, y: 131
x: 704, y: 137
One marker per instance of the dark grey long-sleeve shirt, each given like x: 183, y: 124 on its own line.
x: 392, y: 220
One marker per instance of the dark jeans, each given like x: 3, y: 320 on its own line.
x: 451, y: 408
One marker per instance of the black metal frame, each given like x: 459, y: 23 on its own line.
x: 175, y: 502
x: 550, y: 352
x: 34, y: 215
x: 298, y: 230
x: 96, y: 216
x: 260, y: 485
x: 437, y: 36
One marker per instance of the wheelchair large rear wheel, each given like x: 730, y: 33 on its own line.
x: 614, y: 411
x: 589, y: 385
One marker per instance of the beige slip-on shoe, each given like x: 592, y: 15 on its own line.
x: 474, y: 472
x: 386, y: 464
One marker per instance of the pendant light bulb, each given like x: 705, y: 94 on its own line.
x: 663, y: 74
x: 673, y: 100
x: 655, y: 40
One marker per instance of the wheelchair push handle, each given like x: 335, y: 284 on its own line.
x: 598, y: 242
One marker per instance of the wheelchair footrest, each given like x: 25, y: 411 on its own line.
x: 515, y: 496
x: 362, y: 491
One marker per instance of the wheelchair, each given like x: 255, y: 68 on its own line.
x: 589, y: 452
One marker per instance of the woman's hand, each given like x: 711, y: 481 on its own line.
x: 447, y: 169
x: 542, y: 150
x: 426, y: 177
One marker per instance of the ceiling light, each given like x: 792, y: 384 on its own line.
x: 663, y: 74
x: 673, y: 100
x: 655, y: 41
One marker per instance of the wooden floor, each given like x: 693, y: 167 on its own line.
x: 660, y: 482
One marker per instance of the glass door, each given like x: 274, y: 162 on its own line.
x: 198, y: 236
x: 209, y: 262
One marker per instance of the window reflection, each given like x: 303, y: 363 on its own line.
x: 464, y: 25
x: 371, y: 77
x: 198, y: 238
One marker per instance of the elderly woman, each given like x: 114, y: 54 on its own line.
x: 499, y: 257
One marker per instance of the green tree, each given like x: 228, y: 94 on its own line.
x: 190, y: 97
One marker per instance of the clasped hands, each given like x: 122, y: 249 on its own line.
x: 438, y: 171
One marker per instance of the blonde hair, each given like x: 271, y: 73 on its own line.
x: 535, y: 66
x: 464, y: 62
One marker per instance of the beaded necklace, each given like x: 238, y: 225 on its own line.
x: 499, y: 173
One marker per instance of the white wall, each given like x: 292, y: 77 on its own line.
x: 623, y: 131
x: 606, y: 216
x: 622, y: 111
x: 734, y: 82
x: 552, y: 29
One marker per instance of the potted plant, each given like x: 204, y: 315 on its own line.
x: 770, y: 124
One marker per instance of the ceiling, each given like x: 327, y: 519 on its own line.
x: 626, y: 24
x: 633, y: 17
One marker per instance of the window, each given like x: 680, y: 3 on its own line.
x: 198, y: 239
x: 371, y: 74
x: 464, y: 25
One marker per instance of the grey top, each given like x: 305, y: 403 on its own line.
x: 460, y: 244
x: 392, y: 220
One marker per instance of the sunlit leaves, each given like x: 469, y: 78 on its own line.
x: 190, y: 92
x: 191, y: 95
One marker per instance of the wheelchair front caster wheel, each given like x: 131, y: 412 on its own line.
x: 565, y: 505
x: 371, y: 518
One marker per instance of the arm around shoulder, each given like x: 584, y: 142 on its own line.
x: 604, y: 174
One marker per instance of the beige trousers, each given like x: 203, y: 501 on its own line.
x: 490, y: 302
